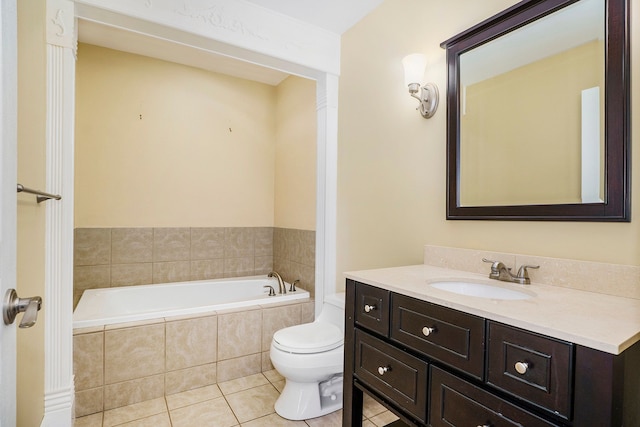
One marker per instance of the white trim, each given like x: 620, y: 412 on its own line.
x: 58, y: 381
x: 283, y: 44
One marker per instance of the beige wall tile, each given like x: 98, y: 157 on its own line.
x: 174, y: 271
x: 89, y: 402
x: 207, y: 243
x: 134, y: 391
x: 238, y: 267
x: 132, y: 245
x: 94, y: 420
x: 91, y: 277
x: 231, y: 369
x: 239, y: 242
x: 203, y: 269
x: 263, y: 265
x: 92, y: 246
x: 190, y: 378
x: 171, y: 244
x: 88, y: 351
x: 239, y: 334
x: 263, y: 241
x: 131, y: 274
x: 266, y: 362
x: 308, y: 312
x: 274, y: 319
x: 134, y: 353
x: 191, y: 342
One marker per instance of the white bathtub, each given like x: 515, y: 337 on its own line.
x: 130, y: 303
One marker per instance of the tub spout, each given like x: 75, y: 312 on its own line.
x: 281, y: 286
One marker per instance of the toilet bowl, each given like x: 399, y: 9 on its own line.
x: 310, y: 358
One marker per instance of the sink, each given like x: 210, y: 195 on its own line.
x: 480, y: 290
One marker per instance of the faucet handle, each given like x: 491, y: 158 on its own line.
x: 523, y: 273
x: 292, y: 288
x: 495, y: 265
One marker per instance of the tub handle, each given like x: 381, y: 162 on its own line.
x: 272, y: 292
x: 292, y: 288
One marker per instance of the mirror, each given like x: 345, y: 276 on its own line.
x: 538, y: 114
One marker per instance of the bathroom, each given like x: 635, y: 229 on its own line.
x: 387, y: 155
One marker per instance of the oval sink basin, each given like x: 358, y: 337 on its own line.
x: 480, y: 290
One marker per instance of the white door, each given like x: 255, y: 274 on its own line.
x: 8, y: 197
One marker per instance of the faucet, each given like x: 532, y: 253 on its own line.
x: 499, y: 271
x: 283, y: 288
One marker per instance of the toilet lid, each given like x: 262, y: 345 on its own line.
x: 313, y: 337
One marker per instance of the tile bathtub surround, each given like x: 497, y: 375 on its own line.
x: 110, y: 257
x: 610, y: 279
x: 124, y: 364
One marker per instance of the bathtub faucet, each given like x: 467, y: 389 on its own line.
x: 283, y: 288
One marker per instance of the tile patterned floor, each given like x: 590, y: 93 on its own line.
x: 245, y: 402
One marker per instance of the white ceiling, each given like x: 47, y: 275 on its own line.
x: 336, y: 16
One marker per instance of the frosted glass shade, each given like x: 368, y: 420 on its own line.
x: 414, y: 66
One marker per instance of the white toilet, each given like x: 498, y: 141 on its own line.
x: 310, y: 358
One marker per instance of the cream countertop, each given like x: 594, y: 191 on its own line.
x: 603, y: 322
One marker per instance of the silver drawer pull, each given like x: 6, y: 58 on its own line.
x: 383, y: 369
x: 522, y: 367
x: 426, y: 331
x: 369, y: 308
x: 485, y: 425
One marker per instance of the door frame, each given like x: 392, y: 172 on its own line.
x: 237, y: 29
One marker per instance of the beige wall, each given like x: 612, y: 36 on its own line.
x: 164, y: 145
x: 31, y: 216
x: 391, y: 175
x: 295, y: 199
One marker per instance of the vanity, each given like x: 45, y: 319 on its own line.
x: 434, y: 357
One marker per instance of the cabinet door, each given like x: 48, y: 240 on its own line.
x: 447, y: 335
x: 533, y: 367
x: 457, y: 403
x: 392, y: 373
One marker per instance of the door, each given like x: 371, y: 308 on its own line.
x: 8, y: 197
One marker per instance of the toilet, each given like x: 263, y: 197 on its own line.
x: 310, y: 358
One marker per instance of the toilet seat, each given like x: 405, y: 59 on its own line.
x: 316, y: 337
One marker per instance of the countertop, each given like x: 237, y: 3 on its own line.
x: 602, y: 322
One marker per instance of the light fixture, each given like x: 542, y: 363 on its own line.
x: 414, y: 66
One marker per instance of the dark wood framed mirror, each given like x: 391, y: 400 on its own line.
x: 538, y: 114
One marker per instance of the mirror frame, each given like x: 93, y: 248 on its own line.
x: 617, y: 175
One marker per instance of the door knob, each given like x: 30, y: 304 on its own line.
x: 14, y: 305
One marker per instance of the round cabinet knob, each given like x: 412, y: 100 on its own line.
x: 383, y: 369
x: 369, y: 308
x: 426, y: 331
x: 522, y: 367
x: 485, y: 425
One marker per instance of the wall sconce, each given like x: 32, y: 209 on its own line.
x: 414, y: 66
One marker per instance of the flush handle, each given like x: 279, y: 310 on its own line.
x: 14, y: 305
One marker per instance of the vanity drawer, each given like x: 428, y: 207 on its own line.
x: 372, y: 308
x: 455, y: 402
x: 450, y: 336
x: 399, y: 377
x: 536, y: 368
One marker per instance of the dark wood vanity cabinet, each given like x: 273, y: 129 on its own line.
x: 436, y: 366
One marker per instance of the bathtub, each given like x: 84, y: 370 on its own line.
x: 108, y: 306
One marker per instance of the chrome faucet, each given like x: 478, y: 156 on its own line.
x: 499, y: 271
x: 282, y: 287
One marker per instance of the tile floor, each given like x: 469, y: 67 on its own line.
x: 245, y: 402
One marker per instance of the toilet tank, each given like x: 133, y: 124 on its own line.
x: 333, y: 310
